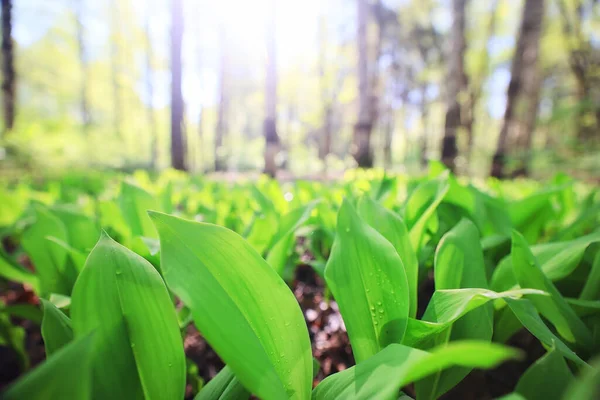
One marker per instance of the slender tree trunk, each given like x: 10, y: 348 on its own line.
x: 150, y: 93
x: 83, y: 65
x: 456, y: 85
x: 523, y: 93
x: 362, y: 129
x: 177, y: 140
x: 272, y: 142
x: 424, y: 123
x: 221, y: 129
x: 201, y: 154
x: 117, y: 102
x: 8, y: 67
x: 388, y: 132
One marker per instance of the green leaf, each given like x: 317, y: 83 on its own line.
x: 458, y: 264
x: 16, y: 273
x: 13, y: 336
x: 56, y: 328
x: 591, y: 288
x: 447, y: 306
x: 554, y: 308
x: 382, y: 375
x: 121, y: 297
x: 83, y: 231
x: 134, y: 203
x: 283, y: 242
x: 239, y: 303
x: 49, y: 260
x: 391, y: 227
x: 525, y: 312
x: 546, y: 379
x: 421, y: 206
x: 64, y: 375
x: 587, y: 385
x: 367, y: 278
x: 224, y: 386
x: 557, y: 261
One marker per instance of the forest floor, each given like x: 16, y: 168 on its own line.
x: 330, y: 344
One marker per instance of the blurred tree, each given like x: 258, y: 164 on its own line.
x: 272, y: 142
x: 456, y: 84
x: 584, y: 62
x: 220, y: 155
x: 522, y: 95
x: 177, y: 139
x: 8, y: 67
x: 326, y: 97
x: 362, y: 152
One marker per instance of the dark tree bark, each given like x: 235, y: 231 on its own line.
x: 272, y: 143
x: 523, y: 94
x: 83, y: 65
x: 456, y: 85
x: 221, y: 129
x: 177, y: 141
x: 362, y: 152
x: 388, y: 131
x: 8, y: 67
x: 150, y: 93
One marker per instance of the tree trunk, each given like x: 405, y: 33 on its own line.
x: 456, y: 85
x: 272, y: 143
x: 8, y: 67
x: 523, y: 93
x: 362, y: 129
x: 150, y: 93
x: 177, y: 144
x: 221, y: 129
x: 83, y: 65
x: 388, y: 138
x: 425, y: 133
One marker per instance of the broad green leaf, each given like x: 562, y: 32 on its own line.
x: 391, y: 227
x: 525, y: 312
x: 134, y: 203
x: 26, y: 311
x: 447, y: 306
x: 239, y: 303
x: 283, y: 242
x: 56, y: 328
x: 591, y: 288
x: 49, y: 260
x: 367, y: 278
x: 458, y: 264
x: 557, y: 260
x: 64, y: 375
x: 382, y: 375
x: 122, y: 298
x: 554, y: 307
x: 546, y: 379
x: 584, y: 308
x: 264, y: 228
x: 13, y: 336
x: 16, y: 273
x: 421, y: 207
x: 83, y: 231
x: 76, y: 257
x: 224, y: 386
x: 587, y: 385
